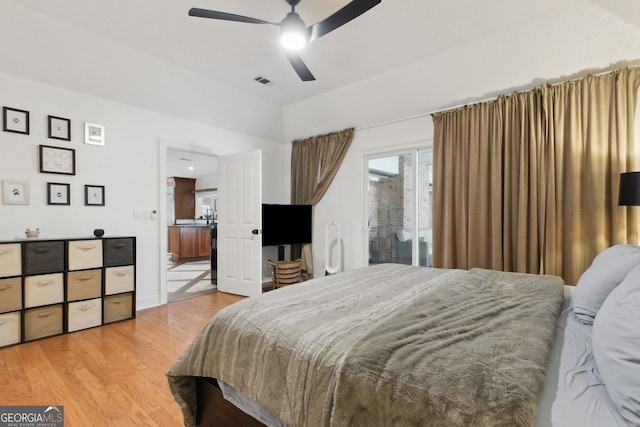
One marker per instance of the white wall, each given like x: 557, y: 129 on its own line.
x: 206, y: 182
x: 48, y: 50
x: 128, y: 166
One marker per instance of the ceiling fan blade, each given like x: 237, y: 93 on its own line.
x: 299, y: 66
x: 341, y: 17
x: 212, y: 14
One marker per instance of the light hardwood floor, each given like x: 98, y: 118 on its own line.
x: 112, y: 375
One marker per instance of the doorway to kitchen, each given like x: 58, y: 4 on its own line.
x: 188, y: 257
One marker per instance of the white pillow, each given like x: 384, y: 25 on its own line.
x: 608, y: 269
x: 616, y: 346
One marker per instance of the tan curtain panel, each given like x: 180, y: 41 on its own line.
x: 591, y: 135
x: 484, y: 187
x: 528, y: 182
x: 314, y: 163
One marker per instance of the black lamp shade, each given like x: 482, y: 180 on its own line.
x: 629, y: 189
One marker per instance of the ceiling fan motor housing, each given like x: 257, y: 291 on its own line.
x: 293, y: 20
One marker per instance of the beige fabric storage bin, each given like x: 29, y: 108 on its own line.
x: 43, y: 290
x: 10, y: 294
x: 119, y: 279
x: 84, y: 254
x: 84, y: 284
x: 42, y: 322
x: 10, y: 260
x: 118, y: 307
x: 10, y: 328
x: 84, y: 314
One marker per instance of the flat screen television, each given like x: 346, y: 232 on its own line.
x: 286, y: 224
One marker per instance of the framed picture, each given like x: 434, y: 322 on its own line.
x: 57, y: 160
x: 15, y: 192
x: 93, y: 134
x: 58, y: 193
x: 59, y: 128
x: 15, y: 120
x: 94, y: 195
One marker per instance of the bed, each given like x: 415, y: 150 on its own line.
x: 394, y: 345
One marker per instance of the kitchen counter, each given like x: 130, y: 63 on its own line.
x: 187, y: 241
x: 202, y: 222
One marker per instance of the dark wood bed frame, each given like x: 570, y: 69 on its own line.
x: 215, y: 411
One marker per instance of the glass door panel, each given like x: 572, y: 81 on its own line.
x: 391, y: 209
x: 425, y: 207
x: 399, y: 196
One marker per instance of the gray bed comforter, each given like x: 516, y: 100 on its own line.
x: 384, y: 345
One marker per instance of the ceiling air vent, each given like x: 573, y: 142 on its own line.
x: 262, y: 80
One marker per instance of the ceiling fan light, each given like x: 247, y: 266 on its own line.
x: 293, y: 32
x: 292, y: 41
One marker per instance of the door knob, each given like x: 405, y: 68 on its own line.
x: 255, y: 231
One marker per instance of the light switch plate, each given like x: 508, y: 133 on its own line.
x: 141, y: 214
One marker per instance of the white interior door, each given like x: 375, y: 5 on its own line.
x: 240, y: 224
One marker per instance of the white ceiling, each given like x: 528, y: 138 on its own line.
x: 186, y: 164
x: 152, y: 55
x: 393, y: 34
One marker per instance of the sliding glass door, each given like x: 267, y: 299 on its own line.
x: 399, y: 195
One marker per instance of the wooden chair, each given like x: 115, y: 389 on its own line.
x: 286, y: 273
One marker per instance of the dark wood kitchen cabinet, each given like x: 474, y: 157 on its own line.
x: 204, y: 241
x: 189, y: 241
x: 184, y: 197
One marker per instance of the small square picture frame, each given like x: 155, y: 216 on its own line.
x: 59, y: 128
x: 14, y: 120
x: 93, y: 134
x: 94, y: 195
x: 58, y: 193
x: 15, y: 192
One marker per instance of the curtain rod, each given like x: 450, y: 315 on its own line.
x: 439, y: 110
x: 423, y: 114
x: 428, y: 113
x: 493, y: 98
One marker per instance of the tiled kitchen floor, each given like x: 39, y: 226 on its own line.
x: 186, y: 280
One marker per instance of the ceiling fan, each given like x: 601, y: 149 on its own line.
x: 294, y: 34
